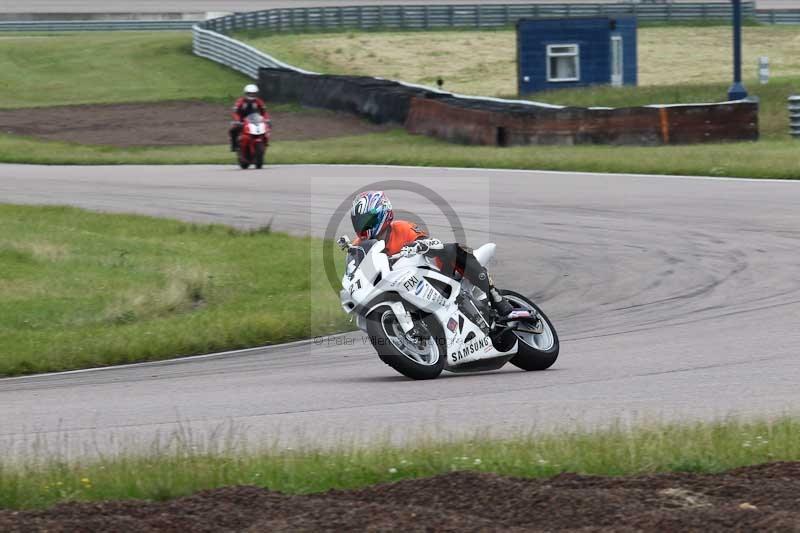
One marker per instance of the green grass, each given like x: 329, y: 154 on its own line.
x: 109, y: 67
x: 765, y: 159
x: 80, y: 289
x: 159, y: 474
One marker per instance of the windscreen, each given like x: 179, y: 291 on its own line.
x: 356, y: 255
x: 255, y: 118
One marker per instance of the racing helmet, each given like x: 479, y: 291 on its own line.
x: 371, y: 214
x: 251, y: 91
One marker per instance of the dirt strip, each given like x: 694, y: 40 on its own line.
x: 169, y: 124
x: 760, y: 498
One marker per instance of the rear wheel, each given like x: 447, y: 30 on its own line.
x: 418, y: 354
x: 537, y: 348
x: 259, y: 155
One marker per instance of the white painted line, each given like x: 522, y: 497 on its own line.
x: 561, y: 172
x: 452, y: 169
x: 187, y: 359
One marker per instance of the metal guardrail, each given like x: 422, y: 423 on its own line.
x: 209, y: 41
x: 232, y: 53
x: 95, y: 25
x: 456, y: 16
x: 794, y: 116
x: 778, y: 16
x: 414, y: 17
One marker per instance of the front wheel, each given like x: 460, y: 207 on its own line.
x: 243, y: 161
x: 536, y: 351
x: 418, y: 354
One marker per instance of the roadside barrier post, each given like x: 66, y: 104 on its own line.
x: 763, y: 70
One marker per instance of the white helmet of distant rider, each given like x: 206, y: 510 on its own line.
x: 251, y: 91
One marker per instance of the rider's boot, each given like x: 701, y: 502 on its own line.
x: 498, y: 302
x: 234, y: 140
x: 501, y: 306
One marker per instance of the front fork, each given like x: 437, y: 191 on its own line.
x: 403, y: 316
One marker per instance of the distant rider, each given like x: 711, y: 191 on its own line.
x: 246, y: 105
x: 373, y: 218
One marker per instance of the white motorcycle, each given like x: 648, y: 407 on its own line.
x: 422, y: 322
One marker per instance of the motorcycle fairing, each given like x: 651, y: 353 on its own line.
x: 415, y: 282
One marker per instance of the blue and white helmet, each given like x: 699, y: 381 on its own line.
x: 371, y: 214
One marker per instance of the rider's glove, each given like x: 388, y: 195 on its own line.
x: 343, y: 242
x: 422, y: 246
x: 409, y: 250
x: 429, y: 244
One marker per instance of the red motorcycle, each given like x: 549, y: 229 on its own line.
x: 253, y: 141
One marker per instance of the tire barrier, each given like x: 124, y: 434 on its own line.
x: 495, y: 122
x: 794, y: 116
x: 379, y: 100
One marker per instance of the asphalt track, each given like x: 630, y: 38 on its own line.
x: 675, y: 298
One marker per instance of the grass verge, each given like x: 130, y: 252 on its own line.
x: 109, y: 67
x: 80, y: 289
x: 765, y: 159
x: 160, y: 475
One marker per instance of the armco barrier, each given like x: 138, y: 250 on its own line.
x: 232, y: 53
x: 396, y: 17
x: 489, y: 121
x: 778, y: 16
x: 208, y: 41
x: 94, y: 25
x: 432, y: 16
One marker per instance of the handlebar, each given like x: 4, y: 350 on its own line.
x: 419, y: 247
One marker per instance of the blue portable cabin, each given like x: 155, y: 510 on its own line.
x: 575, y: 52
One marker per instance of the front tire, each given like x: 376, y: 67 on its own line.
x: 417, y: 356
x: 535, y: 352
x: 243, y: 162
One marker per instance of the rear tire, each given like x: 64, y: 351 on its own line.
x: 529, y: 355
x: 397, y: 350
x: 259, y: 155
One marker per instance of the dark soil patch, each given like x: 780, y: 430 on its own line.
x: 764, y: 498
x: 169, y: 124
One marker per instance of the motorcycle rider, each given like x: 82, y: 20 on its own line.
x: 373, y: 218
x: 246, y: 105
